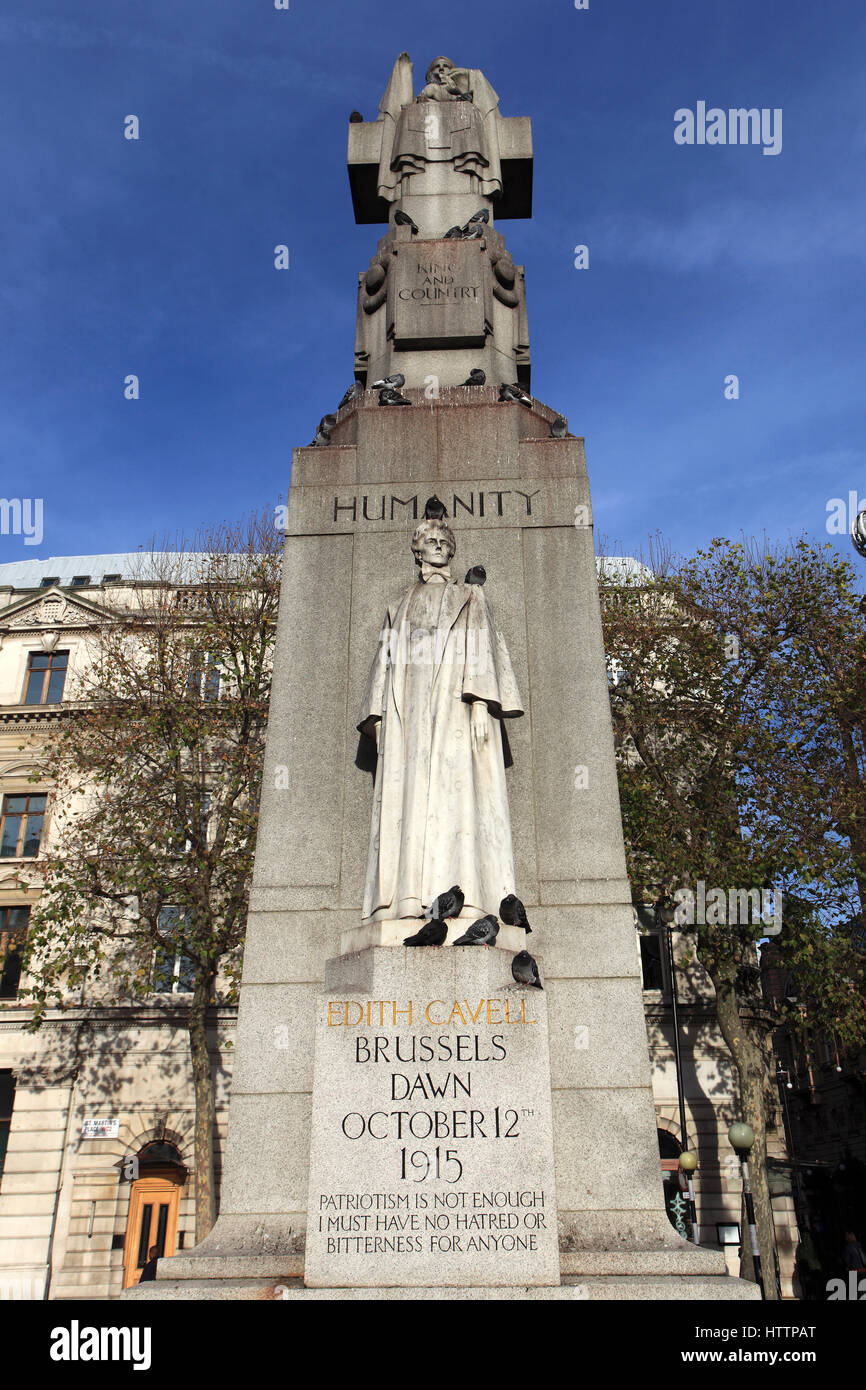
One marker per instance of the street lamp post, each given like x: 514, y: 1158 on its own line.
x: 665, y: 916
x: 742, y: 1138
x: 688, y: 1164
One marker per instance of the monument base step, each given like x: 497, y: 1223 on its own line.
x: 594, y: 1288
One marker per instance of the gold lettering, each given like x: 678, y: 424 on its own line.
x: 523, y: 1017
x: 438, y: 1022
x: 402, y: 1011
x: 474, y: 1016
x: 495, y: 1003
x: 456, y: 1012
x: 331, y: 1004
x: 359, y: 1007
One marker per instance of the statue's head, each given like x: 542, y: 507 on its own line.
x: 439, y: 70
x: 433, y: 543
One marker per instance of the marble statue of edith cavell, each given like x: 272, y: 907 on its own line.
x: 439, y: 684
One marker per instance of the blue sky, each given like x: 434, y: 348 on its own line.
x: 155, y: 256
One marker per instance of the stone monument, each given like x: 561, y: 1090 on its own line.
x: 415, y: 1120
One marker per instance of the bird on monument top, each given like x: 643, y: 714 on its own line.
x: 355, y: 390
x: 482, y: 215
x: 511, y: 391
x: 524, y: 968
x: 448, y: 904
x: 388, y: 396
x: 323, y: 432
x: 482, y: 933
x: 355, y: 118
x: 397, y: 380
x: 476, y: 575
x: 433, y: 933
x: 434, y: 510
x: 472, y: 234
x: 512, y: 911
x: 404, y: 220
x: 453, y: 234
x: 476, y: 377
x: 559, y: 428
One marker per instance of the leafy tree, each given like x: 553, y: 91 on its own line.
x: 157, y: 769
x: 739, y: 701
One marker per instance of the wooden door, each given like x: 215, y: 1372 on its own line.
x: 154, y: 1203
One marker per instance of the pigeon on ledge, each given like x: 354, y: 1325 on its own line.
x: 397, y: 380
x: 476, y: 575
x: 432, y: 933
x: 482, y: 933
x: 448, y: 904
x: 512, y: 911
x: 524, y: 968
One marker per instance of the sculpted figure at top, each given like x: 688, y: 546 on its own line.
x: 463, y: 132
x: 445, y: 82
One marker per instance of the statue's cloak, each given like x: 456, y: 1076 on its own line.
x: 440, y: 807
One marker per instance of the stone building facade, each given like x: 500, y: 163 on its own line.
x: 96, y: 1108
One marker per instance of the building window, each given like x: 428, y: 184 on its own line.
x: 651, y: 961
x: 173, y: 972
x: 46, y: 677
x: 49, y: 583
x: 21, y: 825
x: 80, y: 581
x: 7, y: 1100
x: 204, y: 679
x: 13, y: 929
x: 111, y: 579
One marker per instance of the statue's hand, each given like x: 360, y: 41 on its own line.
x: 480, y: 725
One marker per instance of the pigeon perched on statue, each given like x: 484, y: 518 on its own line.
x: 434, y: 510
x: 433, y: 933
x: 524, y: 968
x: 512, y: 911
x: 482, y: 215
x: 323, y: 433
x: 476, y: 575
x: 404, y: 220
x: 354, y: 391
x: 559, y: 428
x: 476, y: 377
x: 453, y: 234
x: 510, y: 391
x: 482, y: 933
x: 389, y: 396
x: 473, y: 233
x: 448, y: 904
x: 395, y: 382
x: 355, y: 118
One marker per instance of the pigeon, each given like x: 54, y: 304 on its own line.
x: 476, y: 575
x: 482, y: 215
x: 448, y: 904
x: 482, y: 933
x: 404, y: 220
x: 389, y: 396
x: 476, y: 377
x: 434, y: 510
x: 433, y: 933
x: 512, y: 911
x: 354, y: 391
x: 524, y: 968
x: 453, y: 234
x: 355, y: 118
x: 397, y: 380
x: 323, y: 433
x: 510, y: 391
x: 559, y: 428
x: 473, y: 235
x: 858, y: 534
